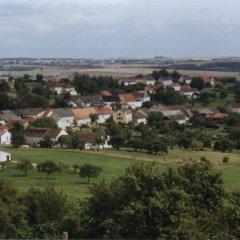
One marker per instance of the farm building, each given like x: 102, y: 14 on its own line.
x: 5, y: 156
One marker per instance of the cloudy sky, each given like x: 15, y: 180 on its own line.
x: 119, y: 28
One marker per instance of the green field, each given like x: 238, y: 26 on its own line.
x: 113, y: 164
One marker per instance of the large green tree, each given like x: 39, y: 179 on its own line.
x: 145, y: 204
x: 17, y: 138
x: 89, y: 171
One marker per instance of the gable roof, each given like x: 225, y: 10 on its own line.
x: 91, y: 137
x: 8, y: 115
x: 83, y: 113
x: 127, y: 97
x: 43, y: 132
x: 63, y: 112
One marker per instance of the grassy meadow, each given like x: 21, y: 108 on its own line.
x: 112, y: 162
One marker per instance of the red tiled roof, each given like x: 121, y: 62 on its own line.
x: 3, y: 127
x: 185, y: 87
x: 218, y: 116
x: 107, y: 110
x: 127, y: 97
x: 106, y: 93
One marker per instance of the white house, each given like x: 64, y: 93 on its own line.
x: 190, y: 93
x: 185, y: 79
x: 64, y: 117
x: 61, y: 88
x: 165, y: 81
x: 95, y: 140
x: 149, y: 80
x: 5, y: 156
x: 5, y: 137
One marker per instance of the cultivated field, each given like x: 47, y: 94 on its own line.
x: 117, y: 72
x: 113, y: 164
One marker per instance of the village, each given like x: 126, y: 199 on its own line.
x: 126, y: 109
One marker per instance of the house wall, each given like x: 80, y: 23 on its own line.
x: 33, y: 140
x: 57, y: 90
x: 65, y: 122
x: 122, y: 117
x: 83, y: 122
x: 4, y: 156
x: 5, y: 139
x: 102, y: 118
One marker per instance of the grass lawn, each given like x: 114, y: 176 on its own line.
x: 112, y: 162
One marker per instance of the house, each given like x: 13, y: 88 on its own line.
x: 128, y: 99
x: 210, y: 80
x: 105, y: 93
x: 64, y: 117
x: 87, y: 101
x: 176, y: 87
x: 35, y: 135
x: 139, y: 116
x: 178, y: 117
x: 94, y: 140
x: 149, y: 80
x: 82, y: 116
x: 30, y: 113
x: 128, y: 81
x: 123, y: 116
x: 190, y: 93
x: 175, y: 115
x: 112, y: 99
x: 59, y: 88
x: 165, y: 81
x: 7, y: 115
x: 238, y: 78
x: 185, y: 79
x: 104, y: 113
x: 141, y: 96
x: 235, y: 107
x: 5, y: 137
x: 5, y: 156
x: 206, y: 112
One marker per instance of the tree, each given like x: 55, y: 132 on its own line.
x: 197, y: 82
x: 89, y: 171
x: 197, y: 145
x: 225, y: 159
x: 24, y: 165
x: 94, y: 117
x: 48, y: 167
x: 39, y: 89
x: 17, y: 132
x: 75, y: 168
x: 44, y: 122
x: 65, y: 141
x: 155, y: 119
x: 46, y: 142
x: 45, y: 211
x: 4, y: 86
x: 117, y: 141
x: 39, y: 77
x: 223, y: 145
x: 146, y: 204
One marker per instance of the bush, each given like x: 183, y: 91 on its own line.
x: 225, y: 159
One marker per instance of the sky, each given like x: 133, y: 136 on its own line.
x: 119, y: 28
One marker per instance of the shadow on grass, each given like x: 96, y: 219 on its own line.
x: 19, y: 175
x: 44, y: 178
